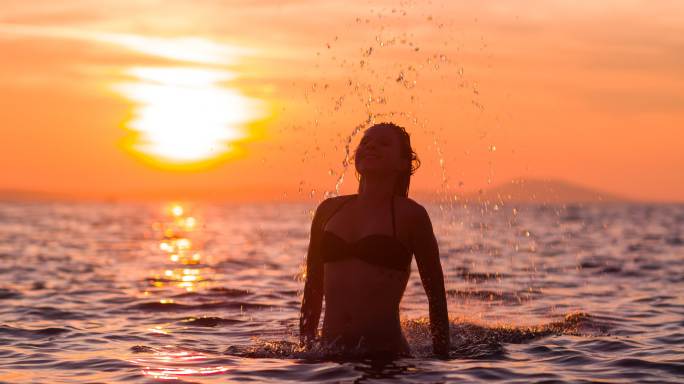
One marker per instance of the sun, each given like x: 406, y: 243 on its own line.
x: 185, y: 116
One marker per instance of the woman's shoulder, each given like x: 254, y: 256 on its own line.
x: 412, y: 208
x: 414, y: 216
x: 330, y: 203
x: 334, y: 200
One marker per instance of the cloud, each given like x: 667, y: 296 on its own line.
x: 187, y: 49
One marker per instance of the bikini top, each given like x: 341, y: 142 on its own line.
x: 378, y: 249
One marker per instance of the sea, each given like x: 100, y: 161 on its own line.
x: 191, y: 292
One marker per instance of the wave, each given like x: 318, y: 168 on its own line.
x: 468, y: 339
x: 158, y: 306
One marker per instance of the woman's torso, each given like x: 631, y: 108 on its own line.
x: 364, y: 281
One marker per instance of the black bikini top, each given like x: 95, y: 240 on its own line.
x: 378, y: 249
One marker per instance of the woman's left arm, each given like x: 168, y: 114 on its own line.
x: 312, y: 300
x: 426, y: 250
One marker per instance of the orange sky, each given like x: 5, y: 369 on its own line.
x: 591, y: 93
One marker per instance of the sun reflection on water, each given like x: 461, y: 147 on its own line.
x: 185, y: 258
x: 182, y: 271
x: 170, y: 363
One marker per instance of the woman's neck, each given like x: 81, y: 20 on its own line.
x: 377, y: 188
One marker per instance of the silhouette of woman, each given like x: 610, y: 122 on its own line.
x: 360, y: 252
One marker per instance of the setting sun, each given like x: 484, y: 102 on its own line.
x: 184, y: 115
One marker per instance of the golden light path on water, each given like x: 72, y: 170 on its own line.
x: 184, y: 270
x: 185, y: 115
x: 180, y: 251
x: 170, y: 363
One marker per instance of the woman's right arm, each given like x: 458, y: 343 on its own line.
x: 426, y: 250
x: 313, y: 286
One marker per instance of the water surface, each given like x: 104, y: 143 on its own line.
x: 133, y: 293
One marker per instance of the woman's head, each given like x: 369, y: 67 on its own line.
x: 386, y: 149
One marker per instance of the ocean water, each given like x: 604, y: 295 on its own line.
x: 207, y: 293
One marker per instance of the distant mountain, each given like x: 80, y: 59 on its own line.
x: 541, y: 191
x: 514, y: 191
x: 26, y: 195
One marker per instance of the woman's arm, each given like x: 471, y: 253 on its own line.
x: 313, y: 286
x: 427, y: 258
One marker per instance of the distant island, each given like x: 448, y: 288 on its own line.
x: 521, y: 190
x: 17, y: 195
x: 539, y: 191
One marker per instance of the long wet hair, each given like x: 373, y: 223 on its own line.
x: 401, y: 186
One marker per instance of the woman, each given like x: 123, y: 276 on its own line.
x: 360, y: 252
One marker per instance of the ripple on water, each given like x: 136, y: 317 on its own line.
x: 631, y: 362
x: 676, y: 338
x: 96, y: 364
x: 497, y: 374
x: 209, y: 321
x: 492, y: 296
x: 479, y: 277
x: 213, y: 293
x: 52, y: 313
x: 608, y: 345
x: 674, y: 241
x: 32, y: 333
x: 9, y: 294
x: 157, y: 306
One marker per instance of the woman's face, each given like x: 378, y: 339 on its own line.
x: 379, y: 151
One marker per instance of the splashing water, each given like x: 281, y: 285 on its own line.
x: 468, y: 339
